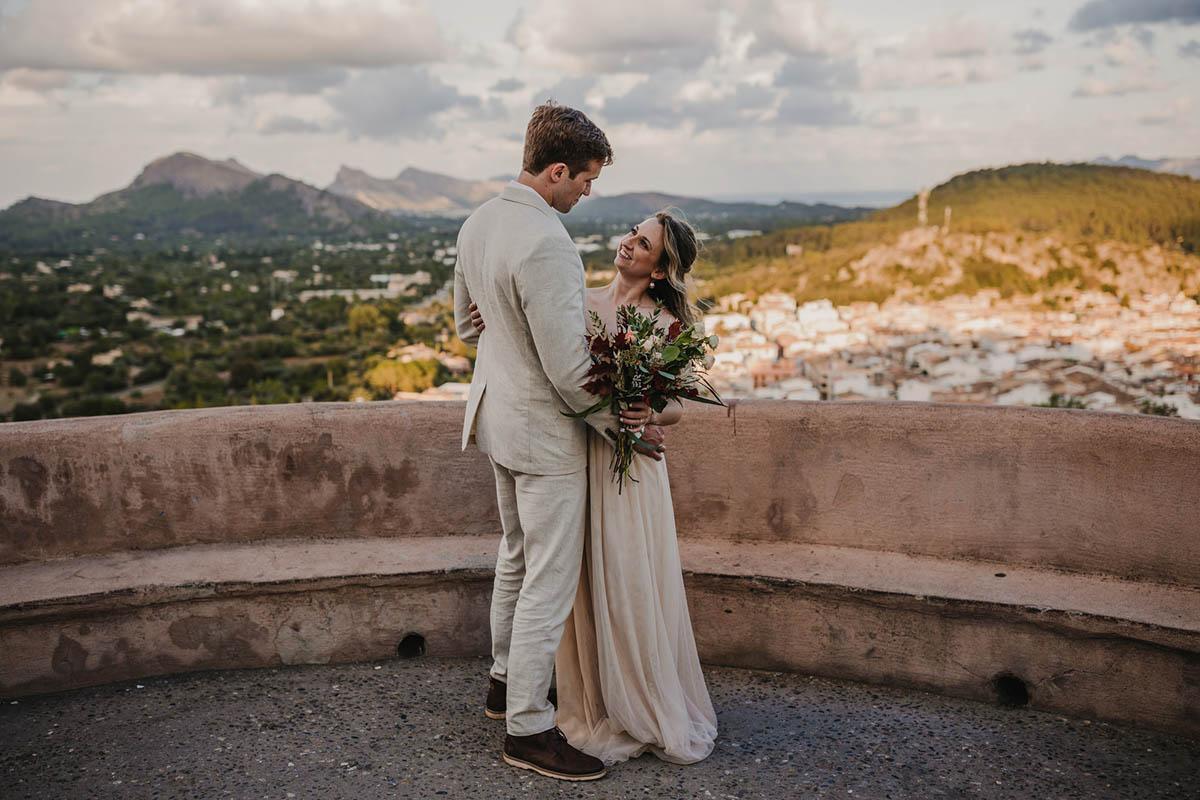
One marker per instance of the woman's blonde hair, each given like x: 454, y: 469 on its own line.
x: 680, y: 248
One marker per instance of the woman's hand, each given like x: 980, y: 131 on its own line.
x: 635, y: 416
x: 476, y: 317
x: 654, y: 439
x: 634, y: 419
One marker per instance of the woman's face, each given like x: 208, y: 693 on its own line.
x: 640, y: 250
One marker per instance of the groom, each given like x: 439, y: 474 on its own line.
x: 517, y: 264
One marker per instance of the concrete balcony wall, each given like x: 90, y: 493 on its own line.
x: 1078, y: 491
x: 169, y: 479
x: 941, y: 547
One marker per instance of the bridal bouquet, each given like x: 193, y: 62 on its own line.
x: 640, y: 361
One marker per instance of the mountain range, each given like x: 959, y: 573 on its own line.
x: 1177, y: 166
x: 415, y: 191
x: 186, y: 195
x: 423, y: 193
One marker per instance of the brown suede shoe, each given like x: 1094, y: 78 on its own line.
x: 549, y: 753
x: 496, y: 704
x: 497, y: 699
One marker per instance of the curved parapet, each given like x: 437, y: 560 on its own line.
x: 1033, y: 556
x: 245, y: 474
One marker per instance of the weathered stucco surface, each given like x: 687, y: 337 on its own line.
x: 931, y: 546
x: 1081, y: 491
x: 319, y: 622
x: 165, y: 479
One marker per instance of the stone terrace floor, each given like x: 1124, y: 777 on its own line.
x: 415, y: 728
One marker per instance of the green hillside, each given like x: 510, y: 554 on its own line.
x: 1081, y: 201
x: 1079, y: 206
x: 269, y: 209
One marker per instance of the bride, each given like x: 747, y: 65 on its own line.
x: 629, y: 678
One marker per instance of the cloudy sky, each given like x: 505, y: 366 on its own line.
x: 742, y: 97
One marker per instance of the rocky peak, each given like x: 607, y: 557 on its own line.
x: 196, y: 176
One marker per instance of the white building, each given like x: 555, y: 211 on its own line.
x: 915, y: 391
x: 729, y: 322
x: 1028, y: 394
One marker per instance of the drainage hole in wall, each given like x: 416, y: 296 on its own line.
x: 1010, y: 690
x: 411, y: 646
x: 1000, y: 575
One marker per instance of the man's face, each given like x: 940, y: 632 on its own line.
x: 568, y: 190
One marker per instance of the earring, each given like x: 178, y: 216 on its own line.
x: 651, y: 284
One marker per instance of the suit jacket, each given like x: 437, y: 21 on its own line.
x: 516, y: 261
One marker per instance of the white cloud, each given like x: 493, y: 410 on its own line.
x: 217, y: 37
x: 673, y: 100
x: 37, y: 80
x: 1120, y: 52
x: 584, y: 37
x: 399, y: 102
x: 287, y: 123
x: 953, y: 52
x: 802, y: 106
x: 797, y: 28
x: 818, y: 71
x: 1133, y: 82
x: 1031, y: 41
x: 237, y: 89
x: 898, y: 72
x: 505, y: 85
x: 893, y: 117
x: 952, y: 38
x: 1177, y: 111
x: 575, y: 91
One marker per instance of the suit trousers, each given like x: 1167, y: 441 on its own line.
x: 537, y: 574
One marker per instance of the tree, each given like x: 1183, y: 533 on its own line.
x: 366, y: 319
x: 1063, y: 401
x: 93, y: 405
x: 389, y: 377
x: 1158, y: 409
x: 242, y: 372
x: 195, y: 386
x: 23, y: 412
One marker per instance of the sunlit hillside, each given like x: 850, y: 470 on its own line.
x: 1043, y: 229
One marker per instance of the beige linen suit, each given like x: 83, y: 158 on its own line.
x: 516, y: 261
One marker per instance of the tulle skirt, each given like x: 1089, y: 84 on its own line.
x: 629, y: 678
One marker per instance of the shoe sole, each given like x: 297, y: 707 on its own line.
x: 549, y: 773
x: 494, y: 714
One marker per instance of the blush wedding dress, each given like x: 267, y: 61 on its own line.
x: 629, y: 678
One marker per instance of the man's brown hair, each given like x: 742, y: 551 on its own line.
x: 562, y: 134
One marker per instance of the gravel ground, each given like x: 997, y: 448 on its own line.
x: 415, y: 729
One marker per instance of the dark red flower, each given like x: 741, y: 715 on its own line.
x: 674, y: 331
x: 601, y: 387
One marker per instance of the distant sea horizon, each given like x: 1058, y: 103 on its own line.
x: 870, y: 199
